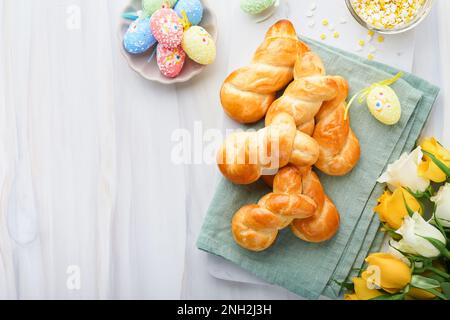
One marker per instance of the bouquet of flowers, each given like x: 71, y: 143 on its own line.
x: 415, y: 213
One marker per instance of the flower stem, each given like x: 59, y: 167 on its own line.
x: 440, y: 273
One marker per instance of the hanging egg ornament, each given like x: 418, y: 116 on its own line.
x: 193, y: 9
x: 384, y: 105
x: 139, y: 38
x: 254, y: 7
x: 199, y: 45
x: 151, y: 6
x: 167, y: 28
x: 170, y: 60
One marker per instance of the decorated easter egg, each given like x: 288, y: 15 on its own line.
x: 151, y: 6
x: 254, y: 7
x: 167, y: 28
x: 193, y: 9
x: 384, y: 105
x: 139, y: 38
x: 170, y: 60
x: 199, y: 45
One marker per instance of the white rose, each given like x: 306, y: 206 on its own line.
x: 413, y: 232
x: 403, y: 173
x: 394, y: 250
x: 442, y: 201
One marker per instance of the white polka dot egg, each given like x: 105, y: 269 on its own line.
x: 384, y: 105
x: 199, y: 45
x: 167, y: 28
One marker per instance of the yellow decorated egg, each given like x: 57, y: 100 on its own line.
x: 384, y: 105
x: 199, y: 45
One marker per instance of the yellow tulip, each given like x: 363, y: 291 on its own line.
x: 427, y: 168
x: 362, y: 291
x: 392, y: 208
x: 393, y: 274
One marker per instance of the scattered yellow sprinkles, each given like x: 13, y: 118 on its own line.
x: 323, y: 36
x: 370, y: 33
x: 336, y: 35
x: 362, y: 43
x: 387, y: 14
x: 370, y: 56
x: 380, y: 39
x: 325, y: 22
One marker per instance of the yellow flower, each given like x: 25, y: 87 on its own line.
x: 427, y: 168
x: 392, y: 208
x: 420, y: 294
x: 362, y: 291
x: 387, y: 272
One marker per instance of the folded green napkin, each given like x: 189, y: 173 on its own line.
x: 304, y: 268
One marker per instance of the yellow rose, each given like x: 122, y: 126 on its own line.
x: 427, y: 168
x: 362, y: 291
x: 420, y: 294
x: 387, y: 272
x: 392, y: 208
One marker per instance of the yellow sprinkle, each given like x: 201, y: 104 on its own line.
x: 370, y: 56
x: 323, y: 36
x: 370, y: 33
x: 362, y: 43
x: 325, y: 22
x: 380, y: 39
x: 336, y: 35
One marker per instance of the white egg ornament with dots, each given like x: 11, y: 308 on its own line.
x: 139, y: 38
x: 167, y: 28
x: 192, y: 8
x: 199, y: 45
x: 384, y: 105
x: 170, y: 61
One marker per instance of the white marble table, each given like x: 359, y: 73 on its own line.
x: 92, y: 204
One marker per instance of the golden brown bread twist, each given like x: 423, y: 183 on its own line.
x: 340, y: 150
x: 324, y: 224
x: 246, y: 156
x: 317, y: 103
x: 304, y: 97
x: 255, y: 227
x: 248, y: 92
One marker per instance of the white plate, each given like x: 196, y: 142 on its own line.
x: 149, y: 70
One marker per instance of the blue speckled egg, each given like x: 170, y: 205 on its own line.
x: 193, y: 8
x: 139, y: 38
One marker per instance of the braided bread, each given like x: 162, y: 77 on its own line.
x: 255, y: 227
x: 245, y: 156
x: 304, y: 97
x: 325, y: 222
x: 340, y: 150
x: 248, y: 92
x: 314, y: 97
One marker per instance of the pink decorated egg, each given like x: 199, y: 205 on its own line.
x: 167, y: 28
x: 170, y: 61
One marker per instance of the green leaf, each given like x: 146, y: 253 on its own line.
x: 437, y: 293
x: 428, y: 193
x: 438, y: 163
x: 408, y: 208
x: 422, y: 282
x: 398, y: 296
x: 446, y: 289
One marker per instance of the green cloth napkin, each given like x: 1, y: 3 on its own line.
x: 308, y: 269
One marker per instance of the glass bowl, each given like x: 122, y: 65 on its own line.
x: 420, y: 16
